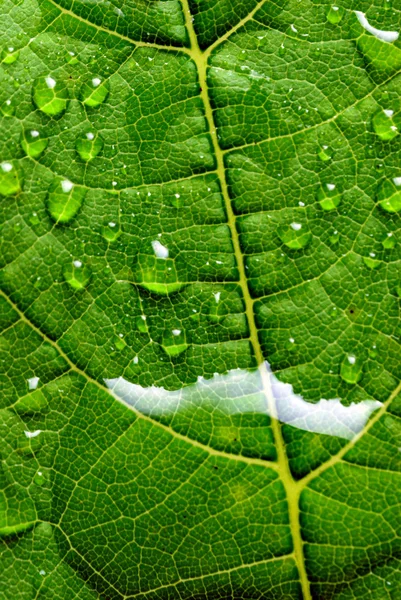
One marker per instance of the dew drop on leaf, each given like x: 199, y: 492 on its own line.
x: 351, y: 369
x: 389, y: 241
x: 141, y: 324
x: 77, y: 275
x: 9, y: 55
x: 111, y: 231
x: 10, y: 182
x: 335, y: 14
x: 64, y: 200
x: 329, y: 196
x: 157, y: 273
x: 33, y: 144
x: 7, y: 108
x: 334, y: 238
x: 89, y: 146
x: 39, y: 478
x: 384, y: 125
x: 50, y: 96
x: 371, y: 261
x: 119, y: 343
x: 174, y: 341
x: 177, y: 200
x: 389, y: 195
x: 94, y: 92
x: 324, y: 154
x: 294, y: 235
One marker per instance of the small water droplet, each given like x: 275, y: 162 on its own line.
x: 89, y: 146
x: 71, y: 58
x: 10, y: 182
x: 384, y: 125
x: 295, y: 235
x: 9, y: 55
x: 335, y: 14
x: 64, y: 200
x: 94, y: 92
x: 33, y: 144
x: 351, y: 369
x: 334, y: 238
x: 50, y: 96
x: 177, y: 200
x: 157, y: 274
x: 39, y: 478
x: 7, y: 108
x: 329, y: 196
x: 141, y: 324
x: 174, y: 342
x: 111, y: 231
x: 389, y: 195
x: 77, y: 275
x: 324, y: 154
x: 388, y: 241
x: 371, y: 261
x: 119, y: 342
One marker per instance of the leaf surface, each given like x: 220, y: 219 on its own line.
x: 200, y: 293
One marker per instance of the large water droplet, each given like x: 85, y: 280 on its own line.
x: 156, y: 273
x: 351, y: 369
x: 77, y: 275
x: 33, y: 144
x: 111, y: 231
x: 94, y: 92
x: 335, y: 14
x: 89, y: 146
x: 9, y: 55
x: 329, y: 196
x: 10, y: 182
x: 50, y: 96
x: 174, y: 342
x: 294, y: 235
x: 64, y: 200
x: 384, y: 125
x: 389, y: 195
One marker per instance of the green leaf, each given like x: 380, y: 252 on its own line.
x: 200, y: 300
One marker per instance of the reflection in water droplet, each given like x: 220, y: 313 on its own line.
x: 294, y: 235
x: 241, y: 392
x: 9, y: 55
x: 389, y: 241
x: 33, y: 144
x: 77, y: 275
x: 10, y: 182
x: 64, y: 200
x: 389, y: 195
x: 335, y: 14
x: 384, y: 125
x: 50, y: 96
x: 174, y: 342
x: 89, y: 146
x: 94, y: 92
x: 329, y: 196
x: 8, y: 108
x: 384, y: 36
x: 351, y: 369
x: 111, y: 231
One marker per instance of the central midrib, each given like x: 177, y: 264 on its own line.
x: 292, y: 490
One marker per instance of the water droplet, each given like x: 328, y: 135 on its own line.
x: 329, y: 196
x: 119, y: 343
x: 9, y: 55
x: 89, y: 146
x: 217, y: 307
x: 10, y: 182
x: 177, y: 200
x: 351, y: 369
x: 39, y: 478
x: 174, y: 342
x: 334, y: 238
x: 389, y: 241
x: 157, y: 275
x: 33, y: 144
x: 7, y: 108
x: 294, y: 235
x: 77, y: 275
x: 371, y: 261
x: 111, y: 231
x: 373, y: 351
x: 141, y: 324
x: 384, y: 125
x: 389, y: 195
x: 50, y: 96
x: 335, y: 14
x: 94, y: 92
x: 324, y: 154
x: 64, y: 200
x: 71, y: 58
